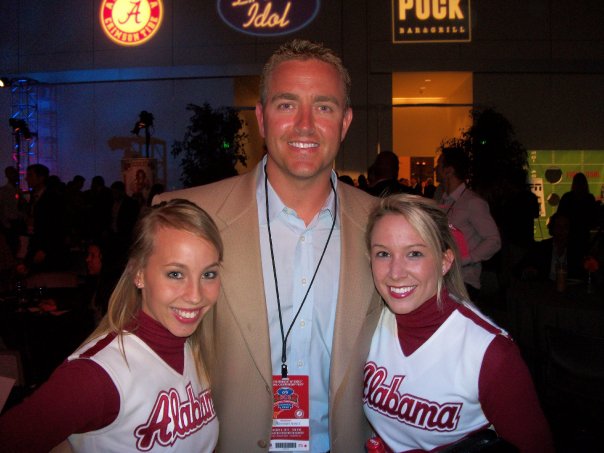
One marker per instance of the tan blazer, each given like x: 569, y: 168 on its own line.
x: 237, y: 350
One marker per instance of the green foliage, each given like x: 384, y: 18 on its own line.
x: 212, y: 146
x: 498, y: 162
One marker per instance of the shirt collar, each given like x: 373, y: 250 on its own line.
x: 276, y: 206
x: 456, y: 193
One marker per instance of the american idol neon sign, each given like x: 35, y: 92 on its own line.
x: 268, y: 18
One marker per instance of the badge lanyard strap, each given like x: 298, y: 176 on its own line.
x: 270, y: 240
x: 455, y: 201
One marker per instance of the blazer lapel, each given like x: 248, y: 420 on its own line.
x: 242, y: 283
x: 356, y: 289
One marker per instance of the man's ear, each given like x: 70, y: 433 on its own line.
x: 346, y: 120
x: 260, y: 118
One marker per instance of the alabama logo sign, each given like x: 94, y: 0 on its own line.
x: 131, y: 22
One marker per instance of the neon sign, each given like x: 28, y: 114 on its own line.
x: 131, y: 22
x: 268, y: 18
x: 416, y: 21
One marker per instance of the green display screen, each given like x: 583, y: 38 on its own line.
x: 552, y: 174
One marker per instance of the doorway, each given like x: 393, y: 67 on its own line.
x: 427, y: 108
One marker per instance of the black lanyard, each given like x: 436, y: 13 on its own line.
x: 270, y: 240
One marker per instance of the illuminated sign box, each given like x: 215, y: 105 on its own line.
x: 131, y: 23
x: 416, y: 21
x: 267, y: 18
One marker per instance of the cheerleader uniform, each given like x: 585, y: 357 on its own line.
x: 151, y: 400
x: 434, y: 376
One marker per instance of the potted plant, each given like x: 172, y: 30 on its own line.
x: 212, y: 146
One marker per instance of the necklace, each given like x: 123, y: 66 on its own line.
x: 284, y: 335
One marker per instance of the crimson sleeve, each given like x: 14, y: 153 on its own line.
x: 509, y: 399
x: 78, y: 397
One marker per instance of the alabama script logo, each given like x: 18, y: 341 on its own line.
x: 131, y: 22
x: 408, y: 409
x: 172, y: 419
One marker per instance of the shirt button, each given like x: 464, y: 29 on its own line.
x: 262, y: 443
x: 300, y: 363
x: 302, y: 323
x: 302, y: 239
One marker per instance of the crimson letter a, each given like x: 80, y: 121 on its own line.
x: 156, y: 428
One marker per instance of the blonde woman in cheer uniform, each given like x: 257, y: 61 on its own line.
x: 138, y: 383
x: 438, y: 370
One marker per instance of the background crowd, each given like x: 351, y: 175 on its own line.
x: 51, y: 226
x: 501, y: 232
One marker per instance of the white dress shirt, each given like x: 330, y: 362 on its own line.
x: 297, y: 249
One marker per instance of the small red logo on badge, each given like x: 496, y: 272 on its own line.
x: 131, y: 22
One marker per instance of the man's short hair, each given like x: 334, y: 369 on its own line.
x: 386, y: 165
x: 302, y: 49
x: 11, y: 172
x: 457, y: 159
x: 40, y: 170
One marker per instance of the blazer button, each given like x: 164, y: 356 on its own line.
x: 262, y: 443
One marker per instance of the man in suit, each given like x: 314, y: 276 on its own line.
x: 384, y: 172
x: 416, y: 186
x: 124, y: 213
x: 295, y: 268
x: 429, y: 188
x: 47, y: 249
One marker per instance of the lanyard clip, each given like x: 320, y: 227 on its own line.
x: 284, y: 371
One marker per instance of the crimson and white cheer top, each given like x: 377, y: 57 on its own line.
x: 160, y: 410
x: 434, y: 376
x: 149, y: 405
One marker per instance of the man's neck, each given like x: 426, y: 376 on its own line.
x: 305, y: 196
x: 451, y: 184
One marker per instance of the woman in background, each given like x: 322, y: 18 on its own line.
x: 580, y: 207
x: 438, y: 370
x: 137, y: 383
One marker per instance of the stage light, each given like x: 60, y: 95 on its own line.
x: 145, y: 121
x: 19, y: 126
x: 4, y: 82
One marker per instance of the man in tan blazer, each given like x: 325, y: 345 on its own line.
x: 303, y: 115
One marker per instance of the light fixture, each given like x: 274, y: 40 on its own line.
x: 145, y: 121
x: 419, y: 100
x: 20, y: 127
x: 4, y: 82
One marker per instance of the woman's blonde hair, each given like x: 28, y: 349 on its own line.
x: 432, y: 225
x: 126, y: 300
